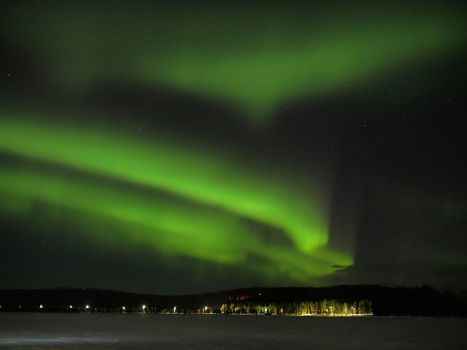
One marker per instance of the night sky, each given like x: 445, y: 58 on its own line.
x: 185, y: 146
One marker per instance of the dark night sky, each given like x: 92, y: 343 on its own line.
x: 173, y: 148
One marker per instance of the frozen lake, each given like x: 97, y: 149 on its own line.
x: 133, y: 331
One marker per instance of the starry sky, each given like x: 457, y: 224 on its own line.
x: 181, y: 147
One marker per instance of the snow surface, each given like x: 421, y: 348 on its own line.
x: 143, y: 331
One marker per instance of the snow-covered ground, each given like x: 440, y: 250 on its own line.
x: 133, y: 331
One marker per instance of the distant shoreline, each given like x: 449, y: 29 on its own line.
x: 337, y: 301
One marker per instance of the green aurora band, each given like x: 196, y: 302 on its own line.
x: 222, y: 198
x: 253, y: 60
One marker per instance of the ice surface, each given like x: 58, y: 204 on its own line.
x: 133, y: 331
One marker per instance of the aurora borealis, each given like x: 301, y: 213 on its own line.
x: 226, y: 144
x: 201, y: 180
x: 254, y: 61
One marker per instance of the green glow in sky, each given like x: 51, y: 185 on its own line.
x: 179, y: 194
x: 254, y: 61
x: 197, y: 203
x: 259, y: 79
